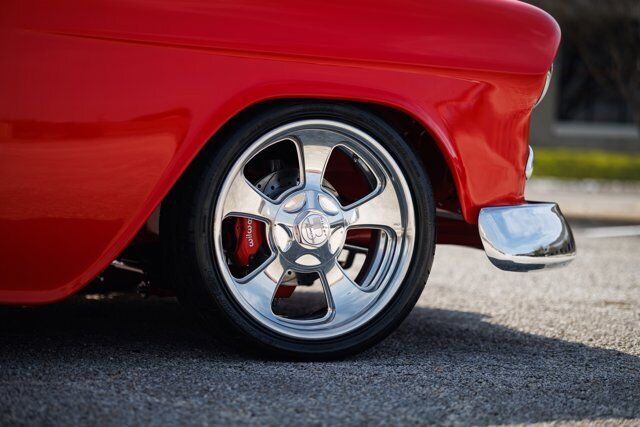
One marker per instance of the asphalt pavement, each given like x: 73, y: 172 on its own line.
x: 482, y: 347
x: 589, y: 199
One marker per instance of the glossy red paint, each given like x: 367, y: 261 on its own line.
x: 105, y: 103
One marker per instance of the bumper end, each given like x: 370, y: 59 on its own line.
x: 526, y: 237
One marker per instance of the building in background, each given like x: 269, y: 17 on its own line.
x: 593, y: 98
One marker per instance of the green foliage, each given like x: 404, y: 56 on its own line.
x: 566, y: 163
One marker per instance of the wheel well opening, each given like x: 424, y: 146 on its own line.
x: 434, y: 163
x: 145, y: 247
x: 420, y: 139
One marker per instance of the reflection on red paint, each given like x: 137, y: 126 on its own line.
x: 104, y: 104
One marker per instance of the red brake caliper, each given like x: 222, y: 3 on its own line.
x: 249, y: 239
x: 248, y: 234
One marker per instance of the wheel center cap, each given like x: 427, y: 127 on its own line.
x: 313, y: 229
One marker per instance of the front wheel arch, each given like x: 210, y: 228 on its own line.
x: 179, y: 232
x: 432, y: 151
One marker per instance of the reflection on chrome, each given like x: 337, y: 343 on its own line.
x: 545, y: 89
x: 528, y: 170
x: 526, y: 237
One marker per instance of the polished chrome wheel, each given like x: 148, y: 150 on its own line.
x: 306, y: 227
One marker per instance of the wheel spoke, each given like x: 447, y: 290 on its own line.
x: 243, y: 199
x: 316, y: 147
x: 381, y: 210
x: 346, y: 298
x: 259, y: 288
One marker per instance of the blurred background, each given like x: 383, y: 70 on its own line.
x: 586, y: 133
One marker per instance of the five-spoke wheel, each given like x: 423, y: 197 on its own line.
x: 309, y: 201
x: 307, y: 228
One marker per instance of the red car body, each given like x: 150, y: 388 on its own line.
x: 105, y: 103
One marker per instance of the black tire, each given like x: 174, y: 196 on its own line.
x: 186, y: 220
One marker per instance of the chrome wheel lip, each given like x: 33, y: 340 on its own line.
x: 318, y: 329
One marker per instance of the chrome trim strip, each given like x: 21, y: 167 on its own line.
x: 547, y: 83
x: 528, y: 170
x: 526, y: 237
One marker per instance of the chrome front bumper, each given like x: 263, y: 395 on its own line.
x: 526, y: 237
